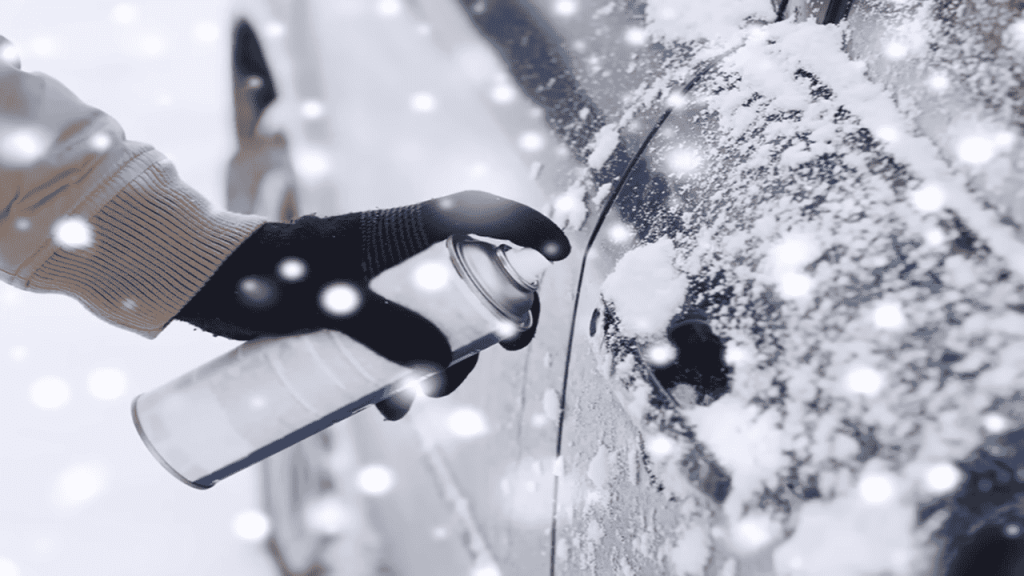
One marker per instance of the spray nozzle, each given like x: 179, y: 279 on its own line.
x: 524, y: 266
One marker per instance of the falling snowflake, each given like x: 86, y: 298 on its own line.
x: 753, y: 533
x: 566, y: 7
x: 889, y: 316
x: 312, y: 163
x: 257, y: 292
x: 929, y: 198
x: 18, y: 353
x: 976, y: 150
x: 896, y: 50
x: 340, y: 299
x: 10, y: 55
x: 684, y: 161
x: 389, y: 8
x: 124, y: 14
x: 503, y: 93
x: 660, y: 447
x: 44, y: 46
x: 311, y: 109
x: 866, y: 381
x: 327, y: 514
x: 50, y: 392
x: 274, y: 29
x: 795, y: 285
x: 292, y: 269
x: 100, y: 141
x: 152, y: 46
x: 636, y: 36
x: 422, y: 102
x: 8, y: 567
x: 531, y: 141
x: 486, y: 569
x: 887, y: 133
x: 876, y: 488
x: 943, y: 478
x: 23, y: 146
x: 206, y: 32
x: 80, y: 483
x: 467, y: 423
x: 73, y: 233
x: 375, y: 480
x: 938, y: 82
x: 660, y: 354
x: 251, y: 525
x: 620, y: 233
x: 107, y: 383
x: 431, y: 276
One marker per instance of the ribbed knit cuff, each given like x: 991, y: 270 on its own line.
x: 390, y: 236
x: 154, y: 245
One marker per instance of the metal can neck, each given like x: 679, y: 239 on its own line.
x: 504, y: 277
x: 523, y: 266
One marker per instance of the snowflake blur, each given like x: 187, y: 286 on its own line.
x: 50, y: 392
x: 431, y: 276
x: 375, y: 480
x: 327, y: 515
x: 80, y: 483
x: 100, y: 142
x: 312, y: 109
x: 423, y: 102
x: 106, y: 383
x: 876, y: 488
x: 256, y: 292
x: 864, y: 380
x: 340, y: 299
x: 73, y: 233
x: 251, y: 525
x: 292, y: 269
x: 995, y: 423
x: 21, y: 147
x: 467, y: 423
x: 660, y: 447
x: 660, y: 354
x: 943, y: 478
x: 531, y: 141
x: 889, y: 316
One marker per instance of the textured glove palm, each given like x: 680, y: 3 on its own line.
x: 313, y: 273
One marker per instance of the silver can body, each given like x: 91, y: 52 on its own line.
x: 271, y: 393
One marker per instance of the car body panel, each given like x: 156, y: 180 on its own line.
x: 787, y: 184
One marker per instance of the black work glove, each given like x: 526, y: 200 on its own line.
x: 302, y: 276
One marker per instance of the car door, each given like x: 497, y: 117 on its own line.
x: 789, y: 196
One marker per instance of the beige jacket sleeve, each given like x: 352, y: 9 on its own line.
x: 87, y: 213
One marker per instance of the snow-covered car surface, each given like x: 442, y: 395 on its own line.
x: 788, y: 340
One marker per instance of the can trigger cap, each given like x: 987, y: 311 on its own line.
x: 525, y: 266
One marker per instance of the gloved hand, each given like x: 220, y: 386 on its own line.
x: 288, y: 278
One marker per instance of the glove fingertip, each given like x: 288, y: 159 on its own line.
x: 454, y: 376
x: 397, y: 406
x: 557, y: 247
x: 523, y: 339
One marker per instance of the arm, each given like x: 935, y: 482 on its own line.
x: 87, y: 213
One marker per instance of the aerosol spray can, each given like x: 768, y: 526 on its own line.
x: 271, y: 393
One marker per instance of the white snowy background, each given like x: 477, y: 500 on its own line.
x: 79, y: 493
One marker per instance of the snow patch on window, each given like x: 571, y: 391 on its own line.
x: 845, y: 536
x: 605, y: 141
x: 720, y: 22
x: 645, y: 289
